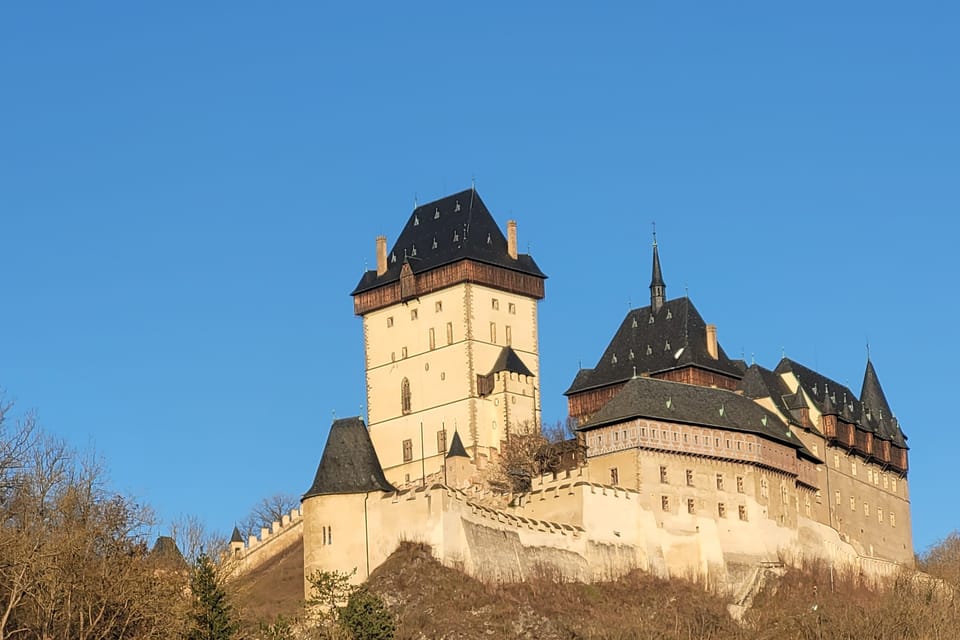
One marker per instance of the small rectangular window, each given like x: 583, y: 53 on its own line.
x: 866, y: 508
x: 893, y: 485
x: 853, y: 468
x: 836, y: 460
x: 836, y: 497
x: 665, y: 503
x: 689, y: 477
x: 389, y: 321
x: 495, y: 304
x: 512, y: 308
x: 720, y: 481
x: 739, y: 484
x: 438, y: 306
x: 403, y: 352
x: 880, y: 516
x: 663, y: 475
x: 433, y: 339
x: 442, y: 441
x: 721, y: 510
x: 893, y: 519
x: 413, y: 314
x: 742, y: 509
x: 691, y: 507
x: 508, y: 334
x: 407, y: 450
x: 853, y: 503
x: 614, y: 476
x: 449, y: 333
x: 493, y: 332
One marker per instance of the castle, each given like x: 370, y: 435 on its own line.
x: 695, y: 464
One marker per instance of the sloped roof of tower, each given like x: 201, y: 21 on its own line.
x: 875, y: 403
x: 656, y: 278
x: 704, y: 406
x: 457, y: 227
x: 655, y: 341
x: 508, y: 360
x: 457, y: 449
x: 349, y: 463
x: 237, y: 536
x: 165, y: 552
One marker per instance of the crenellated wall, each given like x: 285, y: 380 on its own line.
x: 272, y: 541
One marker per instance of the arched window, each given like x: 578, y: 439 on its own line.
x: 405, y: 396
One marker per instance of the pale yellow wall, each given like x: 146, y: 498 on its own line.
x: 442, y: 379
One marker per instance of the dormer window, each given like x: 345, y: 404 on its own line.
x: 669, y: 314
x: 416, y: 221
x: 436, y: 213
x: 650, y: 321
x: 613, y: 360
x: 456, y: 207
x: 434, y: 242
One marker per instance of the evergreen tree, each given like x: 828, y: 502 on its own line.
x: 212, y: 617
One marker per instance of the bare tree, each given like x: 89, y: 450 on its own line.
x: 267, y: 511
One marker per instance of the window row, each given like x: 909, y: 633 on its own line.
x: 692, y: 507
x: 892, y: 517
x: 690, y: 478
x: 441, y: 445
x: 438, y: 308
x: 878, y: 478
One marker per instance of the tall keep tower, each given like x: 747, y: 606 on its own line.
x: 450, y: 337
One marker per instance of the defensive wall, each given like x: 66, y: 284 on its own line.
x: 257, y: 550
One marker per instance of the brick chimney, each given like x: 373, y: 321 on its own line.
x: 712, y: 341
x: 381, y: 255
x: 512, y: 238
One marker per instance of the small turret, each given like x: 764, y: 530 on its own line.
x: 236, y: 542
x: 457, y: 465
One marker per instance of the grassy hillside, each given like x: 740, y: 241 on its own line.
x: 433, y: 601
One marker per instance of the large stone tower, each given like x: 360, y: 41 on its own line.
x: 450, y: 338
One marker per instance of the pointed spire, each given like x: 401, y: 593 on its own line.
x: 457, y: 449
x: 658, y: 290
x: 871, y: 394
x: 237, y: 536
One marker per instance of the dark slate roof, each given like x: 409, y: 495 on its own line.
x: 456, y: 447
x: 508, y: 360
x: 166, y: 552
x: 676, y: 338
x: 349, y: 463
x: 454, y: 228
x: 758, y: 383
x: 237, y: 536
x: 878, y: 411
x: 690, y: 404
x: 834, y: 398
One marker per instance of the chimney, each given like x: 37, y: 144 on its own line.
x: 512, y: 238
x: 712, y: 341
x: 381, y: 255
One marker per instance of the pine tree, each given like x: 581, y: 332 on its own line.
x: 212, y: 616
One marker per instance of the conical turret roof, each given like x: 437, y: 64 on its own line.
x: 349, y: 463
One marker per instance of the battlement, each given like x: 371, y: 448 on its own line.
x: 279, y: 537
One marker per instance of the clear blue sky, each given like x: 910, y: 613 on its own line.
x: 188, y: 194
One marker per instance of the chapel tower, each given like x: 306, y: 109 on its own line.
x: 450, y: 338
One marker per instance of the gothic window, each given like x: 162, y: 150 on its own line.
x: 407, y: 450
x: 405, y: 398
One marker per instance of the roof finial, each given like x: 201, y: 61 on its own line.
x: 654, y: 223
x: 473, y: 183
x: 868, y: 349
x: 415, y: 200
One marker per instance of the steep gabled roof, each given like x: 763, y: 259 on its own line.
x: 834, y: 398
x: 457, y: 449
x: 759, y: 382
x: 689, y: 404
x: 651, y: 342
x: 349, y: 463
x: 237, y: 536
x: 457, y: 227
x: 508, y: 360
